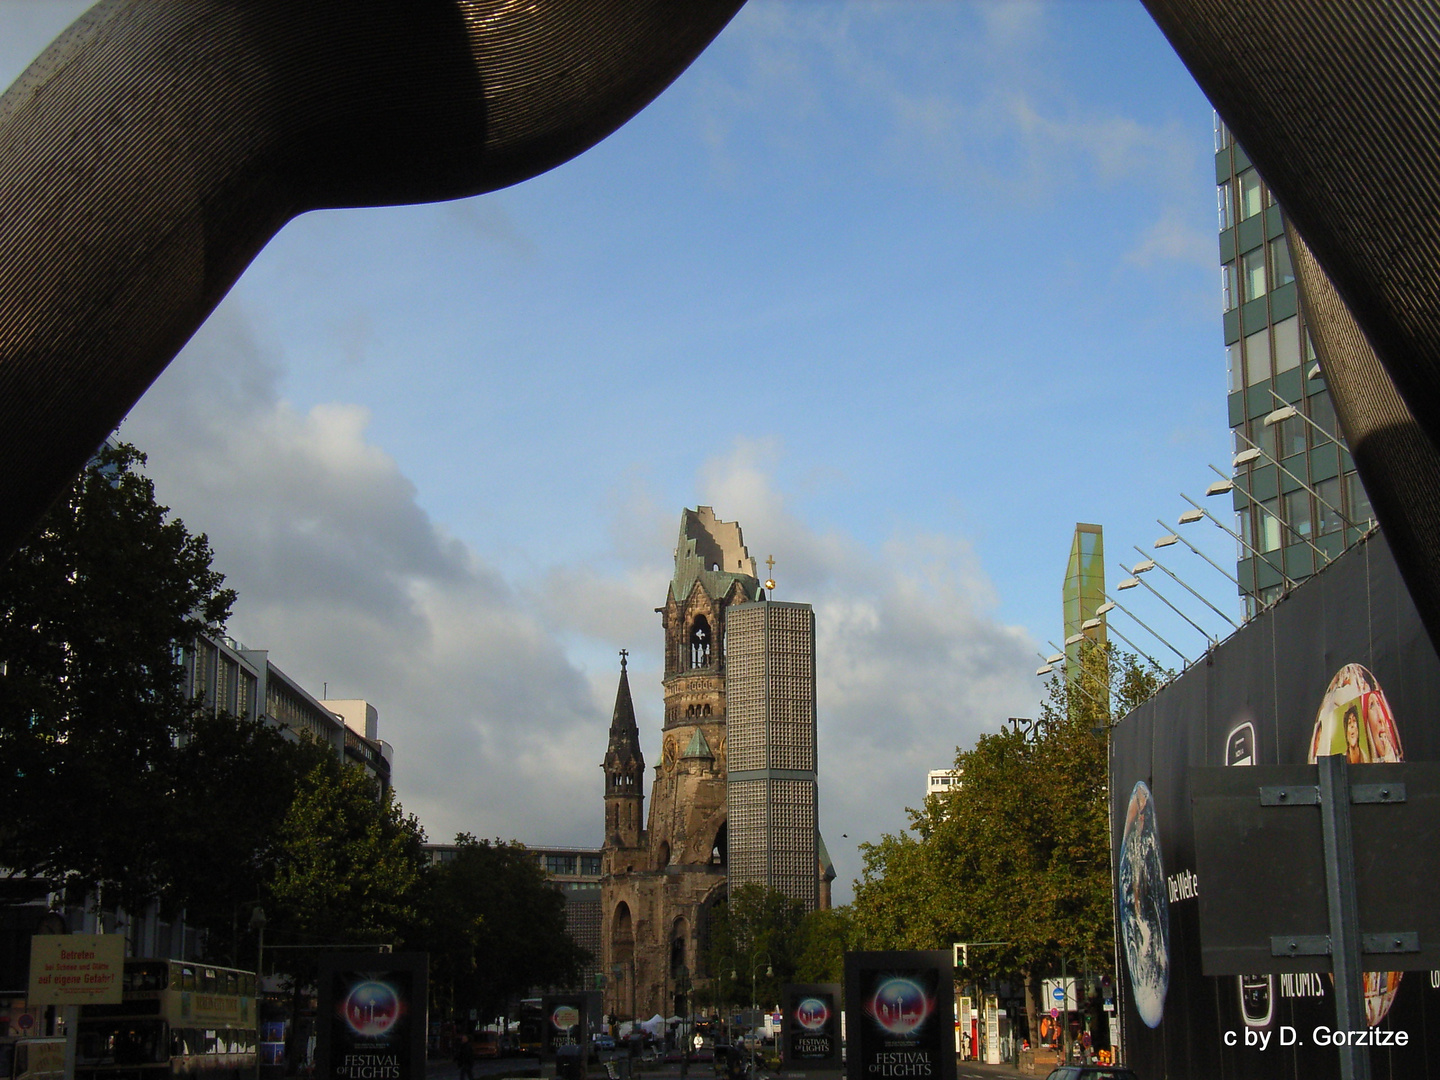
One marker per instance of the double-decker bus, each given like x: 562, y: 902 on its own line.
x: 532, y: 1028
x: 177, y: 1019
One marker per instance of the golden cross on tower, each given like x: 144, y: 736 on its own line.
x: 770, y: 564
x: 623, y: 654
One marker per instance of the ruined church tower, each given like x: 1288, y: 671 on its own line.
x: 660, y: 883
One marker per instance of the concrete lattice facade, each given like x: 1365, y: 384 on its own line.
x: 772, y: 797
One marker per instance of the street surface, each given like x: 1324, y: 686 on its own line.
x: 440, y: 1069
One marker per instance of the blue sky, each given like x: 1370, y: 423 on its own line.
x: 905, y: 288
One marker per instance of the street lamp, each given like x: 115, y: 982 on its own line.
x: 769, y: 974
x: 257, y: 923
x: 682, y: 987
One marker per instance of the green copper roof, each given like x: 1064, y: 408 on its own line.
x: 713, y: 553
x: 699, y: 747
x: 827, y: 868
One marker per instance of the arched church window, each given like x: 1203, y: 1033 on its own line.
x: 679, y: 933
x: 700, y: 642
x: 719, y: 849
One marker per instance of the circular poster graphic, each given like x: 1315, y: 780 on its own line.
x: 812, y: 1013
x: 900, y: 1006
x: 372, y: 1008
x: 1144, y: 907
x: 1355, y: 720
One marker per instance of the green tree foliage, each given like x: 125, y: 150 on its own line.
x: 494, y: 926
x: 824, y: 938
x: 350, y: 862
x: 754, y: 930
x: 1018, y: 852
x: 233, y: 784
x: 92, y: 699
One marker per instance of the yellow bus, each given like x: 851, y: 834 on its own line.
x: 177, y: 1019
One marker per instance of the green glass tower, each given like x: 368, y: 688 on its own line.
x: 1297, y: 498
x: 1084, y: 592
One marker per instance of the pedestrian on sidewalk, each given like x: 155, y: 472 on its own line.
x: 465, y: 1058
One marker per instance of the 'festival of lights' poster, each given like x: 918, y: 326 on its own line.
x: 371, y: 1016
x: 900, y: 1015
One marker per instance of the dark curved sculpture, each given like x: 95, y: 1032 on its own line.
x: 1336, y: 105
x: 158, y: 145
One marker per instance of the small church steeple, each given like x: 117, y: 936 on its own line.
x: 624, y: 769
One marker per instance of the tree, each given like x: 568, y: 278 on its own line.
x: 349, y: 863
x: 754, y: 930
x: 1018, y: 852
x: 233, y: 785
x: 494, y: 926
x: 825, y: 936
x: 91, y: 697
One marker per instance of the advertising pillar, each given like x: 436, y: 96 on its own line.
x: 565, y: 1024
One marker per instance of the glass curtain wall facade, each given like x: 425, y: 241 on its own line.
x: 770, y: 785
x: 1298, y: 500
x: 1084, y: 594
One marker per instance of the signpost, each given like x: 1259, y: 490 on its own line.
x: 1284, y: 893
x: 76, y: 969
x: 70, y: 970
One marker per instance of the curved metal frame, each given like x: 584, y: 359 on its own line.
x: 156, y: 147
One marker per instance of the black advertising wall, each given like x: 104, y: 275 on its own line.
x: 1342, y: 665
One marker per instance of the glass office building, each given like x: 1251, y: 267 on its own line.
x: 1298, y: 501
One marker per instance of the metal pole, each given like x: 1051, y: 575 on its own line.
x: 1132, y: 645
x: 259, y: 994
x: 1344, y: 912
x: 1064, y: 1011
x: 1261, y: 506
x: 1161, y: 566
x: 1286, y: 578
x: 1093, y: 699
x: 1320, y: 499
x: 1233, y: 579
x: 1154, y: 592
x: 1185, y: 660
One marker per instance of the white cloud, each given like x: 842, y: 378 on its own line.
x: 347, y: 581
x: 1173, y: 239
x: 979, y: 104
x: 497, y: 696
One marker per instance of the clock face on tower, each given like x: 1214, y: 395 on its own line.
x: 672, y: 750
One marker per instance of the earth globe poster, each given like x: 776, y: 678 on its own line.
x: 1144, y: 907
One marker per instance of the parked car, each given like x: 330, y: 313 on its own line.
x: 604, y: 1042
